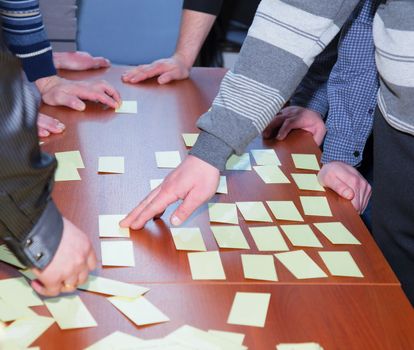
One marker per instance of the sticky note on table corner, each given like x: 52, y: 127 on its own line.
x: 128, y: 106
x: 341, y: 263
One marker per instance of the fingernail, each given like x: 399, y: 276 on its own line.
x: 61, y: 126
x: 175, y: 221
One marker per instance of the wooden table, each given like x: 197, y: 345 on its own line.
x: 338, y: 312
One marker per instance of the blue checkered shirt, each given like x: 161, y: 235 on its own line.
x: 342, y: 85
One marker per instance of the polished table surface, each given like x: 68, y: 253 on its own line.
x: 337, y: 312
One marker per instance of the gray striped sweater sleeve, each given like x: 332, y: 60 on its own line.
x: 281, y: 45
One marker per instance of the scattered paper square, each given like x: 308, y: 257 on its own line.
x: 223, y: 212
x: 341, y: 264
x: 230, y: 237
x: 169, y: 159
x: 259, y: 267
x: 249, y: 309
x: 222, y: 186
x: 206, y: 266
x: 130, y: 107
x: 66, y: 172
x: 117, y: 253
x: 72, y: 157
x: 188, y: 238
x: 254, y: 211
x: 284, y: 210
x: 337, y: 233
x: 114, y: 165
x: 265, y: 157
x: 11, y: 312
x: 308, y: 182
x: 300, y: 264
x: 190, y: 139
x: 109, y: 226
x: 271, y: 174
x: 305, y: 161
x: 239, y: 162
x: 116, y: 341
x: 316, y: 206
x: 268, y: 238
x: 16, y: 291
x: 236, y: 338
x: 301, y: 235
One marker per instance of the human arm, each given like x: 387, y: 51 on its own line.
x: 79, y: 60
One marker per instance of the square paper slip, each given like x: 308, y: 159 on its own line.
x: 284, y: 210
x: 16, y: 291
x: 66, y: 172
x: 70, y: 312
x: 225, y: 213
x: 236, y: 338
x: 316, y: 206
x: 190, y: 139
x: 308, y: 182
x: 301, y: 235
x: 114, y: 165
x: 268, y: 238
x: 139, y: 310
x: 229, y: 237
x: 341, y: 264
x: 300, y: 264
x: 271, y: 174
x: 206, y: 266
x: 305, y: 161
x: 265, y: 157
x: 154, y: 183
x: 188, y: 238
x: 337, y: 233
x: 73, y: 157
x: 254, y: 211
x: 170, y: 159
x: 128, y: 107
x: 114, y: 341
x: 259, y: 267
x: 117, y: 253
x: 222, y: 186
x: 249, y: 309
x: 239, y: 162
x: 109, y: 226
x: 13, y: 312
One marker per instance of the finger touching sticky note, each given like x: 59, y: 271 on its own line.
x: 109, y: 226
x: 130, y: 107
x: 115, y: 165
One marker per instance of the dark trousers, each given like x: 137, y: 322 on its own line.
x: 393, y: 196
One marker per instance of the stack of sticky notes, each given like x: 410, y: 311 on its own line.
x: 68, y: 165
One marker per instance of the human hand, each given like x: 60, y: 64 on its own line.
x: 194, y: 181
x: 295, y: 117
x: 78, y: 60
x: 47, y: 125
x: 69, y: 267
x: 347, y: 182
x: 168, y: 69
x: 57, y: 91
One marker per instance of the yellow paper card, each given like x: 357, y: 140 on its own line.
x: 70, y: 312
x: 116, y: 341
x: 300, y: 264
x: 308, y: 182
x: 16, y: 291
x: 66, y: 172
x: 206, y: 266
x: 341, y: 264
x: 188, y: 238
x: 117, y: 253
x: 239, y: 162
x: 271, y: 174
x: 284, y: 210
x: 73, y: 157
x: 306, y: 161
x: 154, y: 183
x: 109, y: 226
x: 130, y: 107
x: 169, y: 159
x: 337, y: 233
x: 299, y: 346
x: 108, y: 286
x: 230, y: 237
x: 222, y: 186
x: 259, y: 267
x: 8, y: 257
x: 254, y: 211
x: 114, y: 165
x: 223, y: 212
x: 190, y: 139
x: 249, y: 309
x: 301, y: 235
x: 139, y: 310
x: 268, y: 238
x: 11, y: 312
x: 236, y: 338
x: 265, y: 157
x: 316, y: 206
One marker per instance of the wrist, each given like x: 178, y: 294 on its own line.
x: 44, y: 84
x: 186, y: 59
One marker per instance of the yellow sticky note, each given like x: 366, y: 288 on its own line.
x: 308, y: 182
x: 236, y: 338
x: 223, y: 212
x: 337, y: 233
x: 130, y: 107
x: 114, y: 165
x: 117, y: 253
x: 190, y: 139
x: 249, y: 309
x: 254, y: 211
x: 170, y: 159
x: 341, y: 264
x: 73, y: 157
x: 23, y: 332
x: 265, y: 157
x: 66, y: 172
x: 8, y: 257
x: 299, y: 346
x: 316, y: 206
x: 108, y: 286
x: 259, y: 267
x: 300, y: 264
x: 11, y: 312
x: 109, y: 226
x: 188, y: 238
x: 239, y: 162
x: 154, y: 183
x: 305, y: 161
x: 230, y: 237
x: 222, y: 186
x: 116, y: 341
x: 206, y: 266
x: 268, y: 238
x: 284, y: 210
x: 16, y: 291
x: 301, y: 235
x: 70, y: 312
x: 271, y: 174
x: 139, y: 310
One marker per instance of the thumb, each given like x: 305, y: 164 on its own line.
x: 191, y: 202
